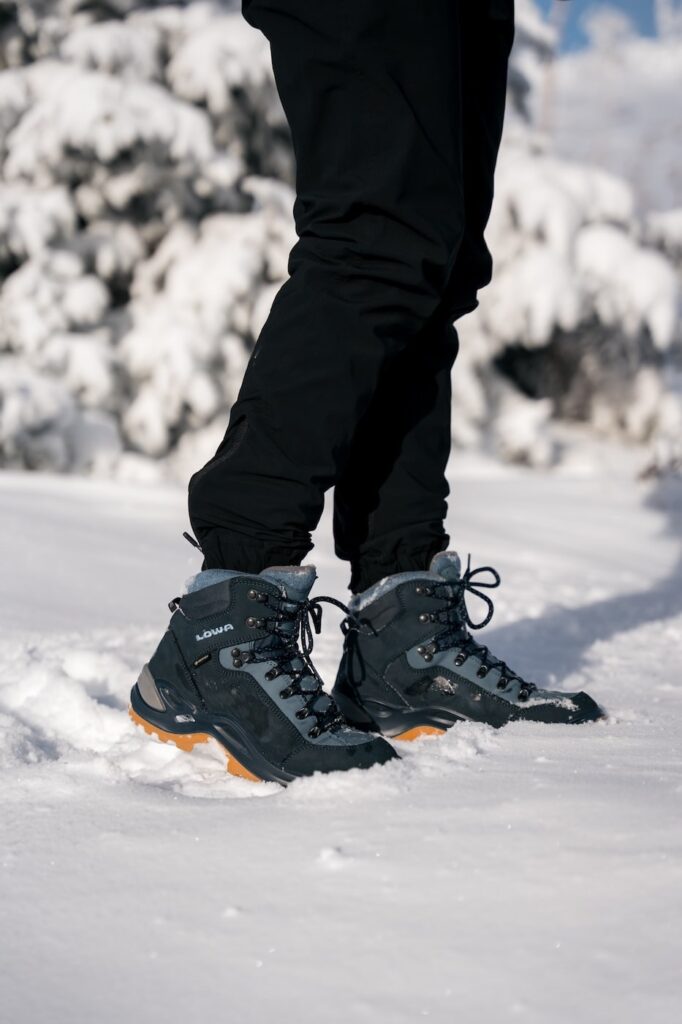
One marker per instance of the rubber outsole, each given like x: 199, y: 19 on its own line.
x: 188, y: 741
x: 417, y: 731
x: 393, y: 723
x: 408, y: 723
x: 186, y: 726
x: 186, y: 731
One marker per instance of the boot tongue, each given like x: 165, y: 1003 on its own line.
x: 297, y: 580
x: 447, y: 565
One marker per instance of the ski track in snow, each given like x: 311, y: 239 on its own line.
x: 528, y: 874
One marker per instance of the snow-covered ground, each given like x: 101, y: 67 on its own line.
x: 531, y: 874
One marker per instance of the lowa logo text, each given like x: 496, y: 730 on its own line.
x: 208, y: 633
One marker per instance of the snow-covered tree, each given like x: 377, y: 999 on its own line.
x: 145, y: 222
x: 581, y: 322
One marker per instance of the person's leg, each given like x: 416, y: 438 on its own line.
x: 487, y: 35
x: 410, y: 665
x: 390, y: 502
x: 371, y: 89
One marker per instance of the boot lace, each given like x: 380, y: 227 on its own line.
x: 455, y: 616
x: 292, y: 627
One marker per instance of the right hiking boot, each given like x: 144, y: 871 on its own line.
x: 410, y: 666
x: 234, y: 666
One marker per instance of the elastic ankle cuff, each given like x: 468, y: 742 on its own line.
x: 223, y: 549
x: 368, y: 571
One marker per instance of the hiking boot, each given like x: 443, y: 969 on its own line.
x: 234, y: 666
x: 410, y: 665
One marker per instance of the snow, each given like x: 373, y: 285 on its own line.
x: 125, y: 49
x: 30, y: 219
x: 630, y: 286
x: 665, y: 230
x: 616, y: 105
x: 224, y: 54
x: 531, y: 873
x: 101, y: 116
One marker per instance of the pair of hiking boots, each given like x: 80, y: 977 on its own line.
x: 235, y: 665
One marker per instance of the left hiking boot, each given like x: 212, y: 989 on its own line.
x: 234, y: 668
x: 410, y: 666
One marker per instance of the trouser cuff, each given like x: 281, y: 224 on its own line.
x: 368, y: 570
x: 223, y: 549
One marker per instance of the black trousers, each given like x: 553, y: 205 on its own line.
x: 396, y: 110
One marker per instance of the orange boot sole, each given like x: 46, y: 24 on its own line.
x: 418, y: 731
x: 189, y: 741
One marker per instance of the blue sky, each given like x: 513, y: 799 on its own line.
x: 641, y: 12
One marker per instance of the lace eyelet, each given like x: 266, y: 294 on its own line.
x: 502, y: 683
x: 271, y: 674
x: 252, y: 595
x: 424, y: 617
x: 523, y: 696
x: 285, y: 693
x: 482, y: 672
x: 460, y: 659
x: 314, y: 732
x: 253, y: 623
x: 303, y: 713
